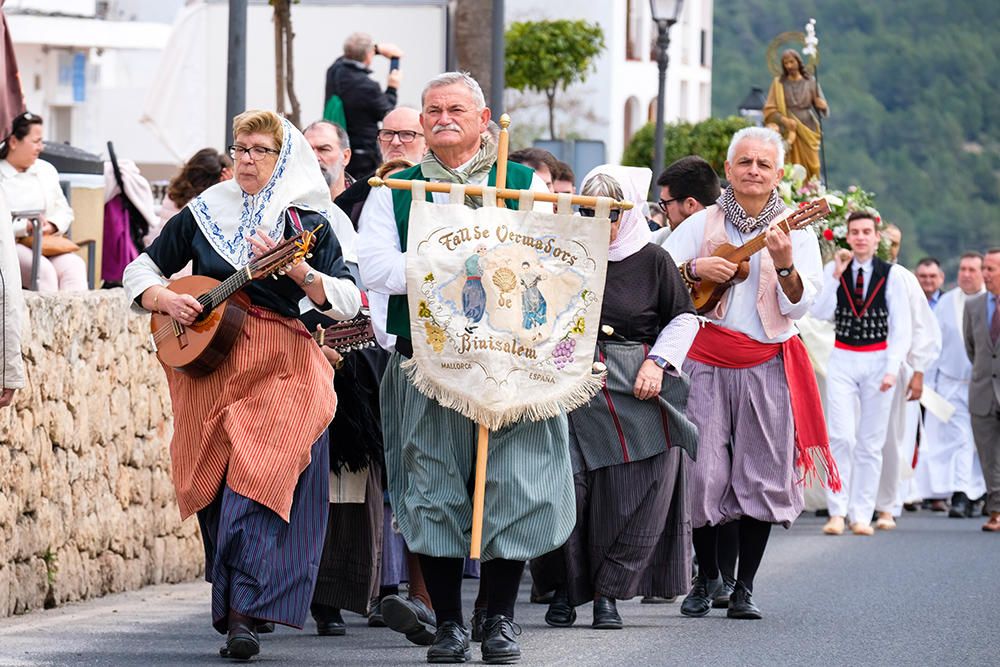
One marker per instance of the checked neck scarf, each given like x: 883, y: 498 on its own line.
x: 739, y: 218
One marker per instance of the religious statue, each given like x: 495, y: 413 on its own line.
x: 794, y: 104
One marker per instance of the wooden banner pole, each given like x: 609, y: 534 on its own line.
x: 502, y: 193
x: 479, y: 492
x: 483, y: 441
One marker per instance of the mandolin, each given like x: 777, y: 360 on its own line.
x: 347, y: 336
x: 199, y: 349
x: 707, y: 294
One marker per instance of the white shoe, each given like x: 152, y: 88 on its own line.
x: 834, y: 526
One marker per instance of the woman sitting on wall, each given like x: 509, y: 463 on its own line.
x: 31, y: 184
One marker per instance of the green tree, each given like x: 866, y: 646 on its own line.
x: 914, y: 106
x: 546, y: 56
x: 709, y: 139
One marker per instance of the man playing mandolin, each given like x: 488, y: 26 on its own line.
x: 746, y: 366
x: 249, y: 449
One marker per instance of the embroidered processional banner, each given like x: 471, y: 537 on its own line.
x: 505, y: 307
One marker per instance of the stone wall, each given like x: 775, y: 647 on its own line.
x: 86, y: 503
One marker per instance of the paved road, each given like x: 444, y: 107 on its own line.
x: 927, y: 594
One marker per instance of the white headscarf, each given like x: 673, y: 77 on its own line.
x: 227, y: 215
x: 633, y: 232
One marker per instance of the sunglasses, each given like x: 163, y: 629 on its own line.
x: 590, y: 213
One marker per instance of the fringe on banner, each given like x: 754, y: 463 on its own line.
x: 573, y: 397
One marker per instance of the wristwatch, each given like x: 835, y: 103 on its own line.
x: 784, y: 273
x: 309, y: 278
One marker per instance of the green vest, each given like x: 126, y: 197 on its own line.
x: 398, y: 319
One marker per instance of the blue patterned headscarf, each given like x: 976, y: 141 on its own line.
x: 227, y: 215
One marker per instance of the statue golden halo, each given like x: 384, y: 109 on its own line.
x: 788, y: 40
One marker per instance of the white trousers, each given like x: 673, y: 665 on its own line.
x: 895, y: 484
x: 948, y: 461
x: 857, y: 420
x: 66, y: 273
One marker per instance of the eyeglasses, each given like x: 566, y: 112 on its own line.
x: 664, y: 203
x: 255, y: 152
x: 590, y: 213
x: 405, y: 136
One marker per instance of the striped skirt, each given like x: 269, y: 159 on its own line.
x: 251, y: 422
x: 259, y: 565
x: 746, y: 452
x: 632, y: 537
x: 430, y: 452
x: 349, y: 572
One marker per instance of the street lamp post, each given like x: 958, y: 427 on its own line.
x: 752, y: 106
x: 236, y: 67
x: 665, y: 13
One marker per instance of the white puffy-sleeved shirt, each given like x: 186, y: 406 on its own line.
x: 897, y: 299
x: 382, y: 263
x: 35, y: 189
x: 685, y: 242
x: 925, y: 337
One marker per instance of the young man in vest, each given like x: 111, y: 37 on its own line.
x: 429, y: 448
x: 867, y: 300
x: 746, y: 367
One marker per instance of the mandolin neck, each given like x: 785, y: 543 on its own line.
x: 228, y: 287
x: 755, y: 245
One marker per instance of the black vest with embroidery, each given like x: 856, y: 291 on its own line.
x: 866, y: 324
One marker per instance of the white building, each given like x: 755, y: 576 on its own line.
x: 150, y: 75
x: 620, y: 96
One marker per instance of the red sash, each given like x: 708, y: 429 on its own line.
x: 725, y: 348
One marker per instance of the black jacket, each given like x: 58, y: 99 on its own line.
x: 364, y: 102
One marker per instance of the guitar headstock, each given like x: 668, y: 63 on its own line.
x: 347, y: 336
x: 285, y: 255
x: 808, y: 213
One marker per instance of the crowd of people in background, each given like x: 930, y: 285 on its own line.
x: 358, y: 506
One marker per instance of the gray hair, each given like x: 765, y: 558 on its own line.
x: 603, y: 185
x: 342, y: 137
x: 358, y: 45
x: 758, y: 134
x: 451, y: 78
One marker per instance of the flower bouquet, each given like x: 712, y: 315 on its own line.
x: 832, y: 232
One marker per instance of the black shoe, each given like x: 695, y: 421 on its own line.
x: 699, y: 601
x: 822, y: 513
x: 961, y: 506
x: 478, y: 618
x: 499, y: 646
x: 264, y: 627
x: 606, y: 616
x: 741, y: 604
x: 451, y: 644
x: 329, y: 622
x: 242, y: 643
x: 911, y: 507
x: 721, y: 601
x: 656, y: 599
x: 561, y: 613
x: 411, y: 617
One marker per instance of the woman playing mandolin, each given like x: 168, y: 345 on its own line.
x: 249, y: 452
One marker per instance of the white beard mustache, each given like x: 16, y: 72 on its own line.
x: 336, y: 171
x: 449, y: 126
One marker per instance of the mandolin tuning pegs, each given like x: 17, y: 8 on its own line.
x: 274, y: 277
x: 309, y: 255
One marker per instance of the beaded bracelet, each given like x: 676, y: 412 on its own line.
x: 156, y: 298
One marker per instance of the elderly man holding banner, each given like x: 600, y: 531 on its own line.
x: 456, y: 366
